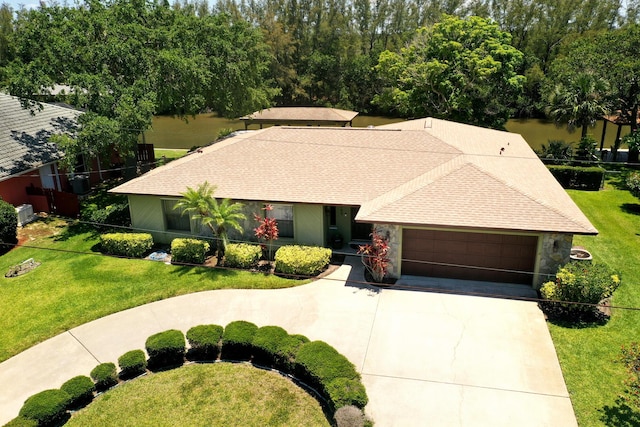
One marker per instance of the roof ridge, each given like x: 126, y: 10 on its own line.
x: 411, y: 186
x: 529, y: 196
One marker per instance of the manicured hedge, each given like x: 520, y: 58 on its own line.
x: 242, y: 255
x: 80, y: 390
x: 133, y: 245
x: 331, y: 373
x: 237, y: 340
x: 577, y: 177
x: 189, y: 251
x: 302, y: 260
x: 47, y: 408
x: 104, y: 375
x: 204, y: 341
x: 8, y: 226
x: 267, y: 343
x: 132, y: 364
x: 165, y: 349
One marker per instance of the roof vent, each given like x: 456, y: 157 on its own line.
x: 427, y: 123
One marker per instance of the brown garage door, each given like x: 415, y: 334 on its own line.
x: 496, y: 257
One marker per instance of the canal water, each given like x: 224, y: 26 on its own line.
x: 171, y: 132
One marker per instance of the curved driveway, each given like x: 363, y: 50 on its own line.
x: 425, y: 358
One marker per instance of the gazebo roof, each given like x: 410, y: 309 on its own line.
x: 319, y: 116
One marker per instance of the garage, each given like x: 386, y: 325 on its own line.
x: 469, y: 256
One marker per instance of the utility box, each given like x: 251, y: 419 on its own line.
x: 25, y: 214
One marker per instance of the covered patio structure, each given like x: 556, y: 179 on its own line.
x: 299, y: 116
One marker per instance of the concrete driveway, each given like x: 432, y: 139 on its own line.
x: 426, y: 358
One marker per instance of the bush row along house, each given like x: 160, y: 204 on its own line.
x: 453, y: 200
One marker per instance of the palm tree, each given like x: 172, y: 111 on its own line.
x: 200, y: 204
x: 579, y: 103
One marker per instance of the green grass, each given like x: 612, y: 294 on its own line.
x: 75, y: 284
x: 588, y: 355
x: 220, y: 394
x: 169, y: 154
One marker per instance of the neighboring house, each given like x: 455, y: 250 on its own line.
x: 300, y: 116
x: 454, y: 200
x: 28, y: 159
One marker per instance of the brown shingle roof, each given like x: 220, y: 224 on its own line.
x: 445, y: 174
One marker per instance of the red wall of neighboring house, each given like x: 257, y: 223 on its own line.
x: 14, y: 190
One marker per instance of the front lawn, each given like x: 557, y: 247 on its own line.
x: 221, y: 394
x: 76, y: 284
x: 588, y: 355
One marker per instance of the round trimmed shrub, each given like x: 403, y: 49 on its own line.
x: 242, y: 255
x: 320, y: 365
x: 133, y: 245
x: 237, y: 340
x: 288, y: 349
x: 47, y: 408
x: 8, y: 226
x: 302, y: 260
x: 165, y: 349
x: 104, y: 375
x: 204, y: 341
x: 132, y: 364
x: 267, y: 343
x: 346, y: 391
x: 80, y: 390
x: 189, y: 251
x: 349, y: 416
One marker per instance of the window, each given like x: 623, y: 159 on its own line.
x: 173, y: 218
x: 284, y: 215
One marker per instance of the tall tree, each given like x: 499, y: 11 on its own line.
x: 579, y: 102
x: 454, y: 70
x: 127, y: 60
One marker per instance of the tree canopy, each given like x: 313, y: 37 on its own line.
x: 125, y: 61
x: 454, y: 70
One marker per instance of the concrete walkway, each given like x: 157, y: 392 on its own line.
x: 426, y: 358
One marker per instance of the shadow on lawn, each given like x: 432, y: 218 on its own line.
x: 622, y: 414
x: 632, y: 208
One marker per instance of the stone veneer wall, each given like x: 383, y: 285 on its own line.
x: 394, y: 235
x: 554, y: 252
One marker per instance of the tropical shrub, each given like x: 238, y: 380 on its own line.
x: 104, y: 375
x: 577, y: 177
x: 267, y: 230
x: 189, y: 251
x: 237, y: 340
x: 242, y: 255
x: 80, y: 390
x: 204, y: 341
x: 302, y: 260
x: 8, y: 226
x: 132, y: 364
x: 165, y: 349
x: 556, y: 152
x: 133, y: 245
x: 349, y: 416
x: 334, y: 375
x: 267, y: 342
x: 578, y: 287
x: 48, y: 407
x: 633, y: 183
x: 375, y: 256
x: 111, y: 209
